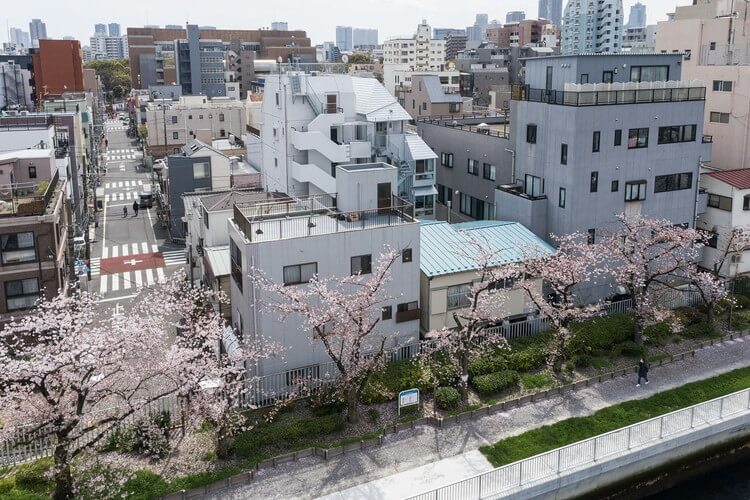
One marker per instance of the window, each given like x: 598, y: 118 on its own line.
x: 677, y: 133
x: 591, y: 236
x: 637, y: 138
x: 713, y: 240
x: 475, y: 208
x: 17, y: 248
x: 563, y: 154
x: 673, y: 182
x: 594, y: 182
x: 236, y: 263
x: 488, y: 171
x: 649, y: 73
x: 635, y: 191
x: 746, y: 202
x: 424, y: 106
x: 458, y: 296
x: 607, y: 77
x: 473, y: 167
x: 174, y: 120
x: 221, y: 117
x: 362, y: 264
x: 722, y: 86
x: 445, y: 194
x: 615, y: 186
x: 406, y: 255
x: 454, y: 107
x: 175, y: 135
x: 533, y: 185
x: 386, y: 313
x: 446, y: 159
x: 32, y: 172
x: 201, y: 171
x: 548, y: 79
x: 712, y: 46
x: 720, y: 202
x: 277, y: 100
x: 407, y: 311
x: 618, y: 137
x: 584, y: 78
x: 531, y: 134
x: 595, y: 141
x: 300, y: 273
x: 561, y: 199
x: 716, y: 117
x: 190, y: 117
x: 21, y: 294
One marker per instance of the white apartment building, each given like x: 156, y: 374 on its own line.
x: 399, y: 76
x: 290, y: 240
x: 421, y: 52
x: 728, y: 208
x: 592, y: 26
x: 313, y: 123
x: 173, y: 123
x: 715, y: 38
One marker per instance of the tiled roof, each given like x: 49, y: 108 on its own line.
x: 446, y: 249
x: 739, y: 178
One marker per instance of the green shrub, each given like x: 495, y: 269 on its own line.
x: 495, y: 382
x: 327, y: 402
x: 600, y: 362
x: 690, y: 315
x: 488, y: 363
x: 533, y: 381
x: 384, y: 385
x: 630, y: 349
x: 698, y: 330
x: 447, y: 398
x: 32, y: 477
x: 528, y: 359
x: 144, y: 484
x: 373, y: 415
x: 582, y: 361
x: 7, y: 484
x: 600, y: 333
x: 658, y: 332
x: 741, y: 302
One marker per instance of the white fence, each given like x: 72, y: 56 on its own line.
x: 583, y: 453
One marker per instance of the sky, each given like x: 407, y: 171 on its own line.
x: 318, y: 17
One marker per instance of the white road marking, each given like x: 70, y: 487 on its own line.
x: 125, y: 250
x: 154, y: 248
x: 115, y: 282
x: 160, y: 275
x: 126, y: 283
x: 138, y: 280
x: 115, y: 251
x: 105, y: 250
x: 149, y: 277
x: 135, y: 248
x: 102, y: 284
x: 144, y: 247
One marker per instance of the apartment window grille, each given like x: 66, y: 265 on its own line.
x: 716, y: 117
x: 720, y: 202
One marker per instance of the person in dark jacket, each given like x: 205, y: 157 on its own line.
x: 642, y: 372
x: 135, y: 208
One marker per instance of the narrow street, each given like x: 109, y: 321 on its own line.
x: 129, y: 251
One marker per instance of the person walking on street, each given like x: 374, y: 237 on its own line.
x: 125, y: 211
x: 135, y: 208
x: 642, y: 372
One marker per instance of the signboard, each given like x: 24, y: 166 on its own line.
x: 409, y: 397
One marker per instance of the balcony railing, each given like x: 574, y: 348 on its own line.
x: 608, y: 97
x: 27, y: 198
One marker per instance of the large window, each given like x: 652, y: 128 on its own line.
x: 445, y: 194
x: 677, y: 133
x: 362, y: 264
x: 717, y: 117
x: 17, y: 248
x: 635, y: 191
x: 475, y: 208
x: 531, y: 134
x: 473, y: 167
x: 458, y: 296
x: 649, y: 73
x: 236, y: 263
x: 21, y: 294
x: 446, y: 159
x: 201, y: 170
x: 300, y: 273
x: 637, y: 138
x: 32, y: 172
x: 533, y: 185
x: 563, y: 154
x: 595, y: 143
x: 722, y: 85
x: 720, y: 202
x: 488, y: 171
x: 673, y: 182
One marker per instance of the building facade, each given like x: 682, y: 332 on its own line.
x: 551, y: 10
x: 420, y: 52
x: 637, y: 17
x: 715, y: 38
x: 590, y: 26
x: 426, y: 96
x: 364, y: 38
x: 515, y: 16
x: 15, y: 87
x: 58, y: 67
x: 308, y: 236
x: 37, y: 31
x: 344, y: 38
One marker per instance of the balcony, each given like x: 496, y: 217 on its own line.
x: 27, y: 198
x: 318, y: 141
x: 610, y: 94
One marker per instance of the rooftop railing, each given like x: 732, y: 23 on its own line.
x: 27, y: 198
x: 334, y: 68
x: 583, y: 95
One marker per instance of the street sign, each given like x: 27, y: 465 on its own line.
x: 409, y: 397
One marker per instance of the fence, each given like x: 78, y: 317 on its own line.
x: 551, y: 464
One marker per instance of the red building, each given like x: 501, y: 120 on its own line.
x: 58, y: 67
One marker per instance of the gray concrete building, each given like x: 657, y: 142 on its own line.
x: 585, y: 151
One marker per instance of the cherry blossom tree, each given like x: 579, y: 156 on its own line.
x: 74, y: 373
x: 343, y: 313
x: 575, y: 264
x: 485, y: 300
x: 735, y: 242
x: 648, y: 256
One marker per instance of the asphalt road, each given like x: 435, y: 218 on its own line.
x: 129, y: 251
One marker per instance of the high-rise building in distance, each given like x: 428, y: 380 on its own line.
x: 344, y: 38
x: 280, y: 26
x: 551, y: 10
x: 20, y: 38
x: 583, y: 33
x: 38, y: 31
x: 365, y: 38
x: 515, y: 16
x: 114, y: 29
x: 100, y: 29
x: 637, y: 18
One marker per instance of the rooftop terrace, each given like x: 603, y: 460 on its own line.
x: 603, y: 94
x: 494, y: 123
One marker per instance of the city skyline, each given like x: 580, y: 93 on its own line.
x: 318, y: 23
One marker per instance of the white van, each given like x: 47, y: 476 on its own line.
x: 146, y: 197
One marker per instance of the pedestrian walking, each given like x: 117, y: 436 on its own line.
x: 135, y: 208
x: 125, y: 211
x: 642, y: 372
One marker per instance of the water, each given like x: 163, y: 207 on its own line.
x: 729, y: 483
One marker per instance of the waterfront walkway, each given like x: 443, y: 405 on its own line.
x: 424, y: 458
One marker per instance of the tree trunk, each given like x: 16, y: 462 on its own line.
x: 223, y: 445
x: 352, y: 405
x: 710, y: 313
x: 464, y: 377
x: 63, y: 476
x: 638, y: 331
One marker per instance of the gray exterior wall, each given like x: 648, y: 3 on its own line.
x: 574, y: 126
x: 568, y: 69
x: 181, y: 181
x: 148, y: 70
x: 464, y: 145
x: 194, y: 36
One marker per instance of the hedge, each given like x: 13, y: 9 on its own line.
x: 447, y: 398
x: 495, y: 382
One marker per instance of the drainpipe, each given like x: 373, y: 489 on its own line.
x: 512, y: 165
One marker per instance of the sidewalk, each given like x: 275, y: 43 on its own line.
x: 414, y: 461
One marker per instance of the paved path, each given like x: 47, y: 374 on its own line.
x: 414, y: 461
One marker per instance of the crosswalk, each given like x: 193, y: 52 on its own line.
x: 124, y: 196
x: 174, y: 257
x: 131, y: 280
x: 122, y: 154
x: 110, y: 127
x: 122, y: 184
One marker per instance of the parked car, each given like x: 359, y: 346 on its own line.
x: 146, y: 198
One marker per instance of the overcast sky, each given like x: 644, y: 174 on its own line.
x: 318, y: 17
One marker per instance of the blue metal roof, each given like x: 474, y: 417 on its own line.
x: 446, y: 248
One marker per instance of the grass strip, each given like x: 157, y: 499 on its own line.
x: 572, y: 430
